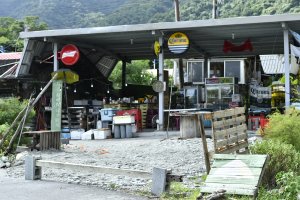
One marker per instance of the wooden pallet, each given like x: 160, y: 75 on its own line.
x: 237, y: 174
x: 229, y: 130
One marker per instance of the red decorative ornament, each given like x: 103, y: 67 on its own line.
x: 69, y: 54
x: 228, y: 46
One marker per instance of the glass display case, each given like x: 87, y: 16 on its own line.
x: 193, y: 96
x: 219, y: 92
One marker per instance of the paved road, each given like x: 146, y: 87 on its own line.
x: 19, y: 189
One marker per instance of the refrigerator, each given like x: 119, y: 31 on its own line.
x: 219, y: 92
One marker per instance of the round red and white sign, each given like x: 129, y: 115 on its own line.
x: 69, y: 54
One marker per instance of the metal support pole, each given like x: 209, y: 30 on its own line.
x: 161, y: 94
x: 55, y: 59
x: 123, y: 75
x: 286, y: 65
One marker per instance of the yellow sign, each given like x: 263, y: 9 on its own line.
x: 178, y: 43
x: 156, y: 47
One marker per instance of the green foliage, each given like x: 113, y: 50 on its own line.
x: 285, y: 128
x: 179, y: 191
x: 288, y: 187
x: 282, y: 158
x: 9, y: 109
x: 137, y: 72
x: 81, y: 13
x: 10, y: 29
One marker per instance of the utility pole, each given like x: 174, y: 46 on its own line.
x: 180, y: 62
x: 214, y: 10
x: 177, y: 13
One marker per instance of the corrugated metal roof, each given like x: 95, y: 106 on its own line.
x: 10, y: 56
x: 274, y: 64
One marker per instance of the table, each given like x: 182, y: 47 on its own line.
x: 189, y: 126
x: 47, y: 139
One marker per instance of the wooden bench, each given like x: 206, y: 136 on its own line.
x: 46, y: 139
x: 236, y: 174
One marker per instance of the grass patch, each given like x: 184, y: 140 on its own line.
x: 179, y: 191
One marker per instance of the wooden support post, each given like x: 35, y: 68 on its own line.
x: 204, y: 144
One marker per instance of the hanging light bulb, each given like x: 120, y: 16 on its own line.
x: 92, y: 85
x: 75, y: 90
x: 107, y: 91
x: 41, y: 88
x: 125, y: 84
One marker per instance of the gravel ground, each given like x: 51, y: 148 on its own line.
x: 150, y: 150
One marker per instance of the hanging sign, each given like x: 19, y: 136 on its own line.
x: 156, y: 48
x: 69, y: 54
x: 178, y: 43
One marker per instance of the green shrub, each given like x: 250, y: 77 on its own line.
x: 285, y: 127
x: 288, y: 187
x: 9, y: 109
x: 282, y: 158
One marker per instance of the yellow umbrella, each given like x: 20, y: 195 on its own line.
x: 67, y: 75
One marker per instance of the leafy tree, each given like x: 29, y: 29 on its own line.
x: 10, y: 29
x: 135, y: 74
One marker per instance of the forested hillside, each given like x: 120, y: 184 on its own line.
x: 87, y: 13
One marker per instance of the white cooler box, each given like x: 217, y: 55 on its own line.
x: 89, y: 135
x: 101, y: 134
x: 76, y: 134
x: 126, y: 119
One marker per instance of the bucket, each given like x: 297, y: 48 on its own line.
x: 123, y: 131
x: 117, y: 132
x: 128, y: 131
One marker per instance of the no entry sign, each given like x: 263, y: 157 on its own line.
x: 69, y: 54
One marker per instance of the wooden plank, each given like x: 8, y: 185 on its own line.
x: 218, y: 114
x: 232, y: 149
x: 204, y: 143
x: 240, y: 119
x: 239, y: 110
x: 230, y: 190
x: 229, y: 112
x: 228, y: 185
x: 246, y: 180
x: 221, y: 143
x: 231, y: 131
x: 229, y: 122
x: 240, y: 170
x: 218, y: 124
x: 95, y: 169
x: 222, y: 134
x: 239, y: 157
x: 241, y: 128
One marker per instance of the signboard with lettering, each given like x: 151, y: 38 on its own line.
x: 69, y: 54
x: 260, y: 96
x: 56, y: 105
x: 178, y: 43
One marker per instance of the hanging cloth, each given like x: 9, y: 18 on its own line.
x: 228, y: 46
